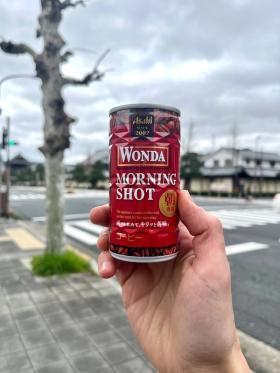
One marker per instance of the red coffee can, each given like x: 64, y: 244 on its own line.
x: 144, y: 182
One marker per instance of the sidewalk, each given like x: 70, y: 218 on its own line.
x: 60, y: 324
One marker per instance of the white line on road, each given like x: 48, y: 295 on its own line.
x: 88, y: 226
x: 66, y: 217
x: 81, y: 236
x: 245, y: 247
x: 255, y: 215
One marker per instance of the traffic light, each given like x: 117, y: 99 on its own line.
x: 4, y: 138
x: 12, y: 142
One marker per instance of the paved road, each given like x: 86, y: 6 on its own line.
x: 252, y: 238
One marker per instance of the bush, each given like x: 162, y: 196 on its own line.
x: 66, y: 262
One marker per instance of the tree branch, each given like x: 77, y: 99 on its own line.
x: 95, y: 75
x: 17, y: 48
x: 71, y: 4
x: 65, y: 56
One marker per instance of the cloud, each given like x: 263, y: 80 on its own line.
x: 216, y: 61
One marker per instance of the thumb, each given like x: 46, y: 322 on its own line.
x: 208, y: 242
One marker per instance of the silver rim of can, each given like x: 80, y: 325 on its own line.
x: 144, y: 106
x: 143, y: 259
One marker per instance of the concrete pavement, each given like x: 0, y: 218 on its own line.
x: 61, y: 324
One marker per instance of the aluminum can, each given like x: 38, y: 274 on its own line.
x: 144, y: 148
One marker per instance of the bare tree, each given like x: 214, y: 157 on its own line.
x: 57, y: 122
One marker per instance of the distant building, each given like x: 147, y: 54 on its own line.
x: 18, y: 163
x: 100, y: 155
x: 239, y: 171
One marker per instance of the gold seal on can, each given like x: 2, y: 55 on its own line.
x: 168, y: 203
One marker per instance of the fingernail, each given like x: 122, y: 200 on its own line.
x: 186, y: 192
x: 104, y: 231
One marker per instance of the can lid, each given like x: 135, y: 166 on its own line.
x: 144, y: 106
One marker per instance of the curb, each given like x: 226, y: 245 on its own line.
x: 261, y: 357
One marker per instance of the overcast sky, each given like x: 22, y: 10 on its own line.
x: 218, y: 61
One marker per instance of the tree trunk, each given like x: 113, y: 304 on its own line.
x: 55, y: 201
x: 56, y: 121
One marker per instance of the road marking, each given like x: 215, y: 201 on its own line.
x: 232, y: 219
x: 81, y: 254
x: 79, y: 231
x: 245, y: 247
x: 5, y: 238
x: 79, y: 235
x: 66, y: 217
x: 251, y: 216
x: 24, y: 240
x: 244, y: 219
x: 87, y: 226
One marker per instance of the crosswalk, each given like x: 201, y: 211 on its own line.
x: 87, y: 233
x: 232, y: 219
x: 83, y: 231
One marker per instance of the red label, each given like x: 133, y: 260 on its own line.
x: 144, y: 174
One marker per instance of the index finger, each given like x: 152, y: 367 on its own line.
x: 100, y: 215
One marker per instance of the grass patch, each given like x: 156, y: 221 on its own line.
x: 63, y: 263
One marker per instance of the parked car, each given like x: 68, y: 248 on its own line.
x: 276, y: 202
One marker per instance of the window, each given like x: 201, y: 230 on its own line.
x: 216, y: 163
x: 247, y: 161
x: 228, y: 162
x: 272, y: 164
x: 258, y: 162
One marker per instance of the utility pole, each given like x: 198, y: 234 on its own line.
x: 261, y: 173
x: 234, y: 134
x: 1, y: 207
x: 213, y: 147
x: 190, y: 137
x: 8, y: 169
x: 257, y: 160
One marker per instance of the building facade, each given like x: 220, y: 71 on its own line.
x: 240, y: 172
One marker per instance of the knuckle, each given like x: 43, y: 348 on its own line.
x: 215, y: 222
x: 103, y: 239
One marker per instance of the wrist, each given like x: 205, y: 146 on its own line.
x: 234, y: 363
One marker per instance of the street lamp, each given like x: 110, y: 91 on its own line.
x: 11, y: 77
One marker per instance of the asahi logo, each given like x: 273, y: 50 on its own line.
x: 149, y: 156
x: 142, y: 125
x: 143, y: 120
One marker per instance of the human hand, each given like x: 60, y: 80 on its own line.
x: 181, y: 310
